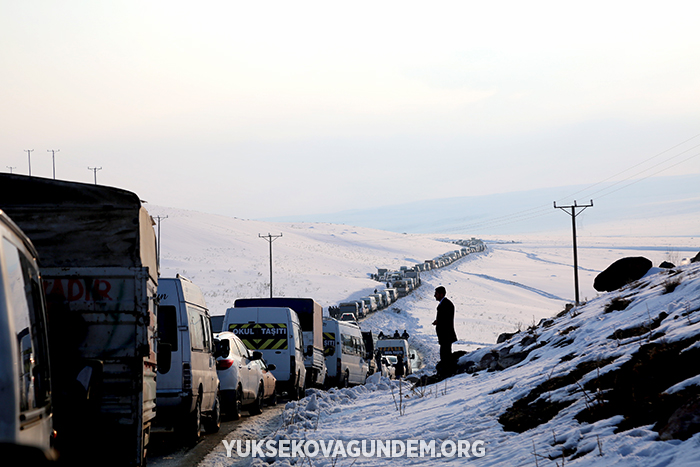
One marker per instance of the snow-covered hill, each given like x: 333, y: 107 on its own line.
x: 612, y: 383
x: 516, y: 283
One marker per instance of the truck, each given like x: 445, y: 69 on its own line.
x: 97, y: 254
x: 311, y: 319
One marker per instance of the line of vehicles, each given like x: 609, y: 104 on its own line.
x: 98, y: 352
x: 400, y: 283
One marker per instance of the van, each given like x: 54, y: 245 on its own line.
x: 25, y: 386
x: 397, y: 347
x: 344, y: 348
x: 380, y: 298
x: 310, y: 315
x: 276, y: 332
x: 187, y: 389
x: 371, y: 303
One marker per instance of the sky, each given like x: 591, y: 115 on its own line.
x: 264, y: 109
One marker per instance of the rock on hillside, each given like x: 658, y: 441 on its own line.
x: 626, y: 359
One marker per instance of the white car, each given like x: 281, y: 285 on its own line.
x: 240, y: 377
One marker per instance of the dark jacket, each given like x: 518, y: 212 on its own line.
x: 445, y: 327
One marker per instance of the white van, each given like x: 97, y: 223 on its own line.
x: 398, y: 348
x: 25, y: 392
x: 345, y: 353
x: 276, y: 332
x: 187, y: 390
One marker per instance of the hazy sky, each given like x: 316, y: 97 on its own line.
x: 259, y: 109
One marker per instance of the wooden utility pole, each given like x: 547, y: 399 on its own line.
x: 29, y: 157
x: 53, y: 157
x: 94, y: 170
x: 270, y: 239
x: 573, y: 215
x: 159, y: 218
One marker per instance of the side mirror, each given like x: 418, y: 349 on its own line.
x: 271, y: 367
x: 164, y: 357
x: 413, y: 356
x: 257, y: 355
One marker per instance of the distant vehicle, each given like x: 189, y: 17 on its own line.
x: 310, y: 316
x: 347, y: 317
x: 345, y: 353
x: 99, y: 271
x: 348, y: 307
x: 276, y: 332
x: 380, y: 298
x: 371, y: 303
x: 396, y: 347
x: 388, y: 368
x: 188, y: 389
x: 241, y: 376
x: 394, y: 294
x: 26, y: 417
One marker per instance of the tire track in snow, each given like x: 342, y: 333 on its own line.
x: 516, y: 284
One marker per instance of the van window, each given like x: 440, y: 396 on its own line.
x: 167, y: 325
x: 27, y: 308
x: 206, y: 332
x: 196, y: 329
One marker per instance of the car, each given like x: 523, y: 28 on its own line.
x: 269, y: 381
x: 241, y: 377
x: 388, y: 366
x: 347, y: 317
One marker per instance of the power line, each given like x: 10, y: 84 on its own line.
x: 535, y: 212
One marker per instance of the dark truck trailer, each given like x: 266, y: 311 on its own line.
x: 310, y: 316
x: 97, y: 256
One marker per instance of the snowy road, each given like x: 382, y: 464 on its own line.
x: 165, y: 450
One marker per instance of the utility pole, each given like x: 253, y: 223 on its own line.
x: 53, y: 157
x: 159, y: 218
x: 573, y: 215
x: 29, y: 156
x: 95, y: 169
x: 10, y: 168
x: 270, y: 239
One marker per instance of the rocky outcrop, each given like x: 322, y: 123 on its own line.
x: 621, y: 273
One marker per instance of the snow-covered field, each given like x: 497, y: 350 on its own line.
x: 513, y: 285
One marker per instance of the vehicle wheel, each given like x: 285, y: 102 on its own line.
x: 212, y: 422
x: 237, y: 404
x: 193, y: 427
x: 257, y: 407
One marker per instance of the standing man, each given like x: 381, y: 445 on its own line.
x: 445, y: 329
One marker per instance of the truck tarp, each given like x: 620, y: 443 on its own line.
x: 95, y: 225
